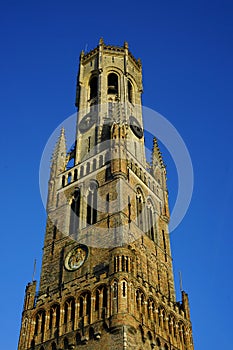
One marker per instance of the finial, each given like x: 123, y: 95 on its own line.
x: 156, y: 154
x: 62, y: 133
x: 155, y: 142
x: 101, y: 42
x: 126, y: 46
x: 60, y: 147
x: 34, y: 271
x: 82, y: 55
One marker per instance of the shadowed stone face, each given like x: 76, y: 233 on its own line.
x: 106, y: 278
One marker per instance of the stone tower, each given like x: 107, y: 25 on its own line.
x: 106, y: 279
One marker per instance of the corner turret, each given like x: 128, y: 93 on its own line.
x: 58, y: 164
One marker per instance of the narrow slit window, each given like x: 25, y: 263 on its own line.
x: 150, y: 222
x: 139, y: 207
x: 89, y: 144
x: 164, y: 245
x: 92, y: 205
x: 164, y: 241
x: 130, y: 92
x: 124, y: 289
x: 75, y: 212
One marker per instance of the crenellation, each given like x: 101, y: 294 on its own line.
x: 107, y: 277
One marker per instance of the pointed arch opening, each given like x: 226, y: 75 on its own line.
x: 40, y: 324
x: 69, y: 178
x: 113, y: 84
x: 101, y: 301
x: 124, y: 288
x: 92, y: 204
x: 130, y: 91
x: 115, y: 289
x: 93, y: 84
x: 69, y: 311
x: 150, y: 308
x: 97, y: 300
x: 151, y: 221
x: 140, y: 298
x: 85, y: 305
x: 140, y: 209
x: 75, y: 213
x: 54, y: 316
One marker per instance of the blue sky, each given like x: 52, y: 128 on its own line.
x: 187, y: 54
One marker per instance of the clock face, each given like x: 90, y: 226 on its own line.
x: 88, y: 120
x: 76, y: 257
x: 136, y: 127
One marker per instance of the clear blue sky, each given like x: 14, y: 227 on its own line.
x: 187, y: 55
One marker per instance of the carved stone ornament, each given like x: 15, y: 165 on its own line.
x: 76, y: 258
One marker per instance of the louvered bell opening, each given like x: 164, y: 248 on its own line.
x: 112, y: 89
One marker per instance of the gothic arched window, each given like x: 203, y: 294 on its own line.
x: 54, y: 316
x: 101, y: 300
x: 93, y: 87
x: 150, y: 308
x: 130, y: 92
x: 124, y: 288
x: 97, y: 299
x: 69, y: 310
x: 140, y: 209
x: 150, y: 221
x: 92, y: 204
x: 105, y: 296
x: 170, y: 325
x: 115, y: 289
x: 113, y: 84
x: 40, y: 323
x: 140, y: 300
x: 162, y: 317
x: 85, y: 304
x: 75, y: 212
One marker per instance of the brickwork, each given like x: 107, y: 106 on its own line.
x: 106, y: 279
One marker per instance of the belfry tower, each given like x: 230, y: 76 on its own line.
x: 106, y: 279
